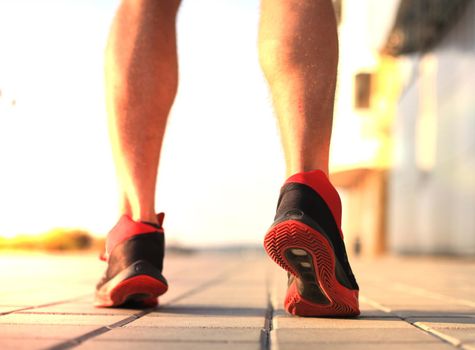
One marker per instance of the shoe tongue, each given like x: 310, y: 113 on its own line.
x: 151, y: 224
x: 160, y: 218
x: 127, y: 228
x: 159, y: 224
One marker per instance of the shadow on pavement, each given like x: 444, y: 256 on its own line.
x: 210, y: 310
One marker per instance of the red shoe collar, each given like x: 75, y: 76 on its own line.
x: 319, y: 182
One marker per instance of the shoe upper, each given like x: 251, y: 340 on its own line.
x: 129, y: 242
x: 312, y: 200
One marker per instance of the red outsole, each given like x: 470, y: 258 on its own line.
x: 148, y: 287
x: 292, y: 234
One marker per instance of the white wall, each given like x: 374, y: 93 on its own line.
x: 432, y: 185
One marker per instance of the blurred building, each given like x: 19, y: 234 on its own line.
x: 404, y: 149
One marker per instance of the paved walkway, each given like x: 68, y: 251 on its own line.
x: 234, y: 301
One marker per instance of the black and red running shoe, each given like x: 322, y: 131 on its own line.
x: 134, y: 252
x: 306, y: 240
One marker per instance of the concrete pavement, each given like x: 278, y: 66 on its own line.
x: 234, y: 301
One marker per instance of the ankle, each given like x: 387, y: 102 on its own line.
x: 138, y: 212
x: 297, y: 165
x: 140, y: 215
x: 291, y: 171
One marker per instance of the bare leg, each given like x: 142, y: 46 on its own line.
x: 141, y: 76
x: 298, y: 51
x: 299, y: 54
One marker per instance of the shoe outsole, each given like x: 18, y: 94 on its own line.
x: 289, y: 235
x: 142, y: 289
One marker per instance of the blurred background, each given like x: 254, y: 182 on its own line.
x: 403, y: 149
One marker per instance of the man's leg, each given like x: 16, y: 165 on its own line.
x: 298, y: 49
x: 141, y: 83
x: 141, y: 76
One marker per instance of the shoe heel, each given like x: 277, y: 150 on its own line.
x: 140, y: 283
x: 293, y: 235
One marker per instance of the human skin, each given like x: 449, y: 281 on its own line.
x: 298, y: 52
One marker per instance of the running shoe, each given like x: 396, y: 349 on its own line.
x: 306, y: 240
x: 134, y: 253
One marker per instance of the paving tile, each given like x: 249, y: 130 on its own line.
x: 153, y: 345
x: 213, y: 304
x: 40, y: 297
x: 365, y: 314
x: 372, y: 312
x: 179, y: 289
x: 10, y: 308
x: 408, y: 301
x: 368, y: 346
x: 446, y: 322
x: 39, y: 331
x: 235, y: 300
x: 429, y: 311
x: 83, y: 308
x: 60, y: 319
x: 30, y: 344
x: 462, y: 334
x: 462, y: 328
x: 218, y: 309
x: 184, y: 334
x: 292, y: 322
x: 198, y: 321
x: 355, y: 335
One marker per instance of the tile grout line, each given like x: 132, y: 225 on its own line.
x: 221, y: 277
x: 42, y: 305
x: 426, y: 329
x: 71, y: 343
x: 375, y: 304
x: 265, y: 337
x: 447, y: 338
x: 434, y: 295
x: 96, y: 332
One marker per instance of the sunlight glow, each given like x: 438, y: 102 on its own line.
x: 215, y: 186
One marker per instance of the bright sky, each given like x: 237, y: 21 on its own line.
x: 222, y: 165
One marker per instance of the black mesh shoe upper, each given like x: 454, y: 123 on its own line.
x: 300, y: 202
x: 149, y: 247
